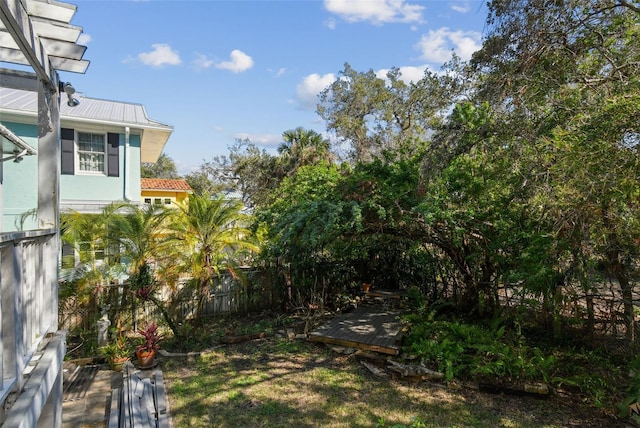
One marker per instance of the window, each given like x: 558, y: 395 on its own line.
x: 89, y: 251
x: 147, y: 201
x: 91, y: 152
x: 167, y: 201
x: 68, y: 256
x: 157, y: 201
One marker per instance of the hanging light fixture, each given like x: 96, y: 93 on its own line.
x: 70, y: 90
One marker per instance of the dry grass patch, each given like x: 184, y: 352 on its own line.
x: 278, y: 383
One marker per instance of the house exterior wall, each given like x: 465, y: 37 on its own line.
x: 95, y: 191
x: 174, y: 196
x: 80, y: 192
x: 20, y: 183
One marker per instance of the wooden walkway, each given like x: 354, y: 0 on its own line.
x: 77, y: 380
x: 370, y: 328
x: 87, y: 391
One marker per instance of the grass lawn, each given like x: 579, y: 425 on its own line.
x: 280, y: 383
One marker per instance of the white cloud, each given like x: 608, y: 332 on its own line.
x: 461, y: 7
x: 238, y: 62
x: 279, y: 72
x: 162, y: 54
x: 408, y: 74
x: 202, y: 62
x: 466, y: 43
x: 184, y: 167
x: 308, y: 90
x: 84, y: 39
x: 376, y: 11
x: 267, y: 140
x: 436, y: 46
x: 330, y: 24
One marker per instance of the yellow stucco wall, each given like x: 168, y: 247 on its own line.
x: 163, y: 196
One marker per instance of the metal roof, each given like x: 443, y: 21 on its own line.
x: 93, y: 109
x: 16, y: 105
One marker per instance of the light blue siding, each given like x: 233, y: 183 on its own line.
x: 20, y: 183
x: 86, y: 187
x: 134, y: 167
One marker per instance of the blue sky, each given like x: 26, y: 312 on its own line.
x: 221, y: 70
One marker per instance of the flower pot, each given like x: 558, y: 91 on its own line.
x: 116, y: 363
x: 145, y: 358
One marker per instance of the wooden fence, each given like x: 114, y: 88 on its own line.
x: 226, y: 295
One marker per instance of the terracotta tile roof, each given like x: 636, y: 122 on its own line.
x: 164, y: 184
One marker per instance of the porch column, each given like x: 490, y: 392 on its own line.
x: 48, y: 157
x: 49, y: 193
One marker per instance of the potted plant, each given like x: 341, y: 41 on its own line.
x: 146, y: 350
x: 117, y: 352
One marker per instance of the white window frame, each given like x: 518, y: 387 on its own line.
x: 77, y: 153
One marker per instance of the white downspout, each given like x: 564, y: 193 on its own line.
x: 127, y: 133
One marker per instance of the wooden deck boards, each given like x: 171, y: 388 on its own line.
x: 367, y: 327
x: 78, y: 380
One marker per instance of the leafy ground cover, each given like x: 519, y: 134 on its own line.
x: 275, y: 382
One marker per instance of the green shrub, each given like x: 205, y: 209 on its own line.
x: 462, y: 350
x: 632, y: 399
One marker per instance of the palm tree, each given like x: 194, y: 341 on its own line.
x: 303, y: 147
x: 87, y: 234
x: 207, y: 235
x: 137, y: 231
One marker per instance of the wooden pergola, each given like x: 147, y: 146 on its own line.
x: 37, y: 38
x: 38, y: 35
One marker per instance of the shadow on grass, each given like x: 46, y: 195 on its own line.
x: 276, y: 383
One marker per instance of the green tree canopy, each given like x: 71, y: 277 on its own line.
x: 303, y: 147
x: 374, y: 115
x: 164, y: 167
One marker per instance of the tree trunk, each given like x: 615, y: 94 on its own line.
x: 166, y: 316
x: 627, y: 298
x: 617, y: 269
x: 591, y: 322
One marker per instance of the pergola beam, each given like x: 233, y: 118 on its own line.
x: 16, y: 20
x: 16, y: 79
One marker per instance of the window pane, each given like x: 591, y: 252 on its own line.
x: 91, y: 152
x: 90, y: 142
x: 91, y: 162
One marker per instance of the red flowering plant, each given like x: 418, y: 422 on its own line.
x: 150, y: 338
